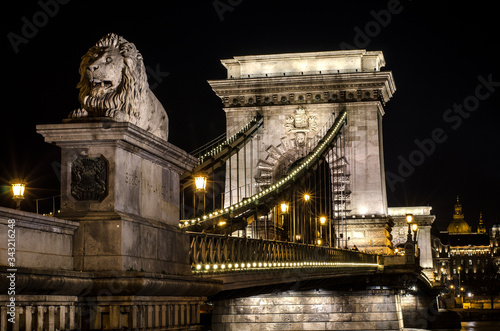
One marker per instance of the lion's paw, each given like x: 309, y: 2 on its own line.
x: 80, y: 112
x: 110, y: 113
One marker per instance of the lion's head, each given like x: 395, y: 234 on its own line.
x: 113, y: 83
x: 112, y: 78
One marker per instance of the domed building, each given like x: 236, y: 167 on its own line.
x: 459, y: 250
x: 458, y: 225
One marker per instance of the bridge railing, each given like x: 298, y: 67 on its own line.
x: 219, y: 253
x: 216, y: 145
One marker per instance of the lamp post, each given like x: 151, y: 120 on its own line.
x: 322, y: 221
x: 307, y: 229
x: 200, y: 182
x: 410, y: 248
x: 298, y: 237
x: 414, y: 227
x: 409, y: 220
x: 459, y: 282
x: 284, y: 211
x: 18, y: 188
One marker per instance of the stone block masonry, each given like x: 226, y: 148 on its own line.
x: 121, y: 184
x: 311, y: 310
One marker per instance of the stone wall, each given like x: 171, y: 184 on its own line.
x: 121, y: 184
x: 311, y: 310
x: 40, y: 241
x: 420, y: 311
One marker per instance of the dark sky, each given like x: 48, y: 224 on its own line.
x: 443, y: 55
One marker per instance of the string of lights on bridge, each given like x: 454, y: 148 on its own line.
x: 318, y: 150
x: 231, y: 267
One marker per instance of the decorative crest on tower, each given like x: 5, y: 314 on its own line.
x: 301, y: 123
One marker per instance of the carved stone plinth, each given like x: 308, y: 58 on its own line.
x: 122, y: 184
x: 370, y: 234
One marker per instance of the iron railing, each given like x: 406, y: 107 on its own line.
x: 218, y: 144
x: 218, y: 253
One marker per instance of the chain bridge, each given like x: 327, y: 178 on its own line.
x: 280, y: 223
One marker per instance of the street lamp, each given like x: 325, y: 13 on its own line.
x: 414, y: 227
x: 307, y: 224
x: 284, y: 208
x: 18, y: 188
x: 322, y: 220
x: 409, y: 220
x: 200, y: 183
x: 459, y: 280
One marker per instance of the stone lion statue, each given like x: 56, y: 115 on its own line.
x: 113, y: 83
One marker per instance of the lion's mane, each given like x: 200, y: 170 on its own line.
x: 132, y: 100
x: 134, y: 80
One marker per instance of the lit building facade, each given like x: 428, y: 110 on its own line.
x: 464, y: 258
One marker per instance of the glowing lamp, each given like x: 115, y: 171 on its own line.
x: 409, y: 218
x: 322, y: 220
x: 200, y: 182
x: 319, y: 241
x: 18, y: 188
x: 284, y: 207
x: 307, y: 197
x: 414, y: 227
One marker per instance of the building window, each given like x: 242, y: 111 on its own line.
x: 470, y: 262
x: 454, y: 271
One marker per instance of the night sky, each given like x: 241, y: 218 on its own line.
x: 443, y: 55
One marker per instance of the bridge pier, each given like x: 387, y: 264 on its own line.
x: 311, y: 310
x: 420, y: 311
x: 130, y: 264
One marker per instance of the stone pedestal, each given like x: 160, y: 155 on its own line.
x: 121, y: 184
x: 422, y: 216
x: 370, y: 234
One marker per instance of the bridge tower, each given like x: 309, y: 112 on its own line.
x: 297, y: 94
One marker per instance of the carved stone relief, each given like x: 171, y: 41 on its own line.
x: 89, y: 178
x: 300, y: 124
